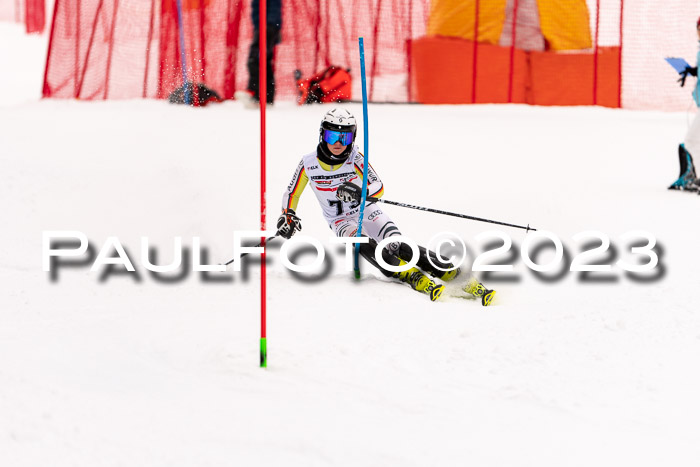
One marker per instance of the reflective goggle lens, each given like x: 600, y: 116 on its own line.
x: 330, y: 137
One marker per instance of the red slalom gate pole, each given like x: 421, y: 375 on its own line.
x: 511, y: 67
x: 475, y: 49
x: 262, y: 97
x: 619, y: 59
x: 595, y: 53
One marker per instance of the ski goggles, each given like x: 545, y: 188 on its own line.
x: 330, y: 137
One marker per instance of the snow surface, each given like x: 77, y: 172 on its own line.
x: 123, y: 372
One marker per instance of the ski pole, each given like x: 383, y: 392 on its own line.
x: 256, y: 246
x: 437, y: 211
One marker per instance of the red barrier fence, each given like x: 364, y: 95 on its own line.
x: 129, y: 48
x: 30, y: 12
x: 604, y: 52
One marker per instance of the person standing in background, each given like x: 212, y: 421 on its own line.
x: 251, y: 96
x: 687, y: 179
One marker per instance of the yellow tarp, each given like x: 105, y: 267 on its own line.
x: 564, y: 25
x: 455, y: 18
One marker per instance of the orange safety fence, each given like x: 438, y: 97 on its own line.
x: 443, y: 74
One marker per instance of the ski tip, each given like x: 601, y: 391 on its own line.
x: 488, y: 298
x: 436, y: 293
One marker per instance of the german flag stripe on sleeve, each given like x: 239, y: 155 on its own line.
x: 379, y: 193
x: 298, y: 188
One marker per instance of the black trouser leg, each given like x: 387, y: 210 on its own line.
x: 405, y: 253
x: 683, y: 159
x: 273, y: 34
x: 367, y: 252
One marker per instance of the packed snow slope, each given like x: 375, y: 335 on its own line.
x: 109, y: 368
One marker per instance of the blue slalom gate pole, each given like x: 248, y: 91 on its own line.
x: 366, y: 162
x: 180, y: 26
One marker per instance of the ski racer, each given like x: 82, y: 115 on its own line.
x: 334, y: 171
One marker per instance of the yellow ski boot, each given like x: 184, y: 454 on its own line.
x: 447, y: 276
x: 421, y: 283
x: 478, y: 290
